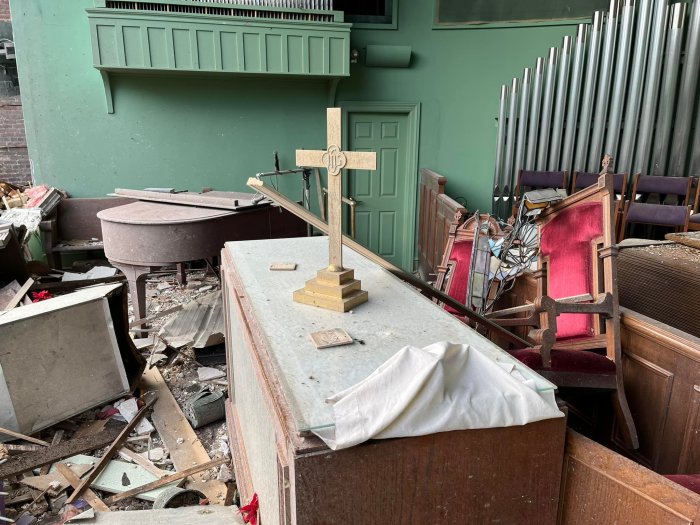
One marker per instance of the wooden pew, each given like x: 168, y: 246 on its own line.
x: 600, y: 487
x: 437, y: 211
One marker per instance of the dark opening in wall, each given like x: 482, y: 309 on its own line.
x: 366, y: 11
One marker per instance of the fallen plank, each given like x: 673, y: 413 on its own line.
x: 236, y: 201
x: 17, y: 435
x: 44, y: 482
x: 119, y: 476
x: 179, y: 437
x: 166, y: 480
x: 31, y: 460
x: 111, y: 451
x: 208, y: 515
x: 18, y: 296
x: 88, y: 495
x: 144, y: 462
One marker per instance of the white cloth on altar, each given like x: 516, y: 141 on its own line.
x: 441, y: 387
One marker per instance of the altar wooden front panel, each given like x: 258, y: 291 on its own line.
x: 502, y: 475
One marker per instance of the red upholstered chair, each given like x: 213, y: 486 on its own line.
x: 639, y: 210
x: 453, y: 271
x: 578, y: 288
x: 582, y: 180
x: 689, y: 481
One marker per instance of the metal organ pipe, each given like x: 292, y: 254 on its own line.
x: 560, y: 104
x: 686, y: 95
x: 533, y: 128
x: 546, y: 114
x: 574, y: 97
x: 498, y: 177
x: 668, y: 90
x: 522, y: 121
x: 589, y: 91
x: 510, y: 139
x: 617, y: 98
x: 634, y: 96
x: 602, y: 98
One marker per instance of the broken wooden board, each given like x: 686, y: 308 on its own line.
x: 207, y: 515
x: 330, y: 338
x: 114, y: 476
x: 14, y: 301
x: 212, y: 199
x: 31, y: 460
x: 283, y: 267
x: 691, y: 239
x: 178, y: 436
x: 43, y: 483
x: 88, y: 495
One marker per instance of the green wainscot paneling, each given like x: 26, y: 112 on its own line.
x: 138, y: 41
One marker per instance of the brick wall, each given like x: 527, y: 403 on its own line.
x: 14, y: 160
x: 4, y: 9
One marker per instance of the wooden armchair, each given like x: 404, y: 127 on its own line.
x: 639, y: 210
x: 577, y: 288
x: 582, y: 180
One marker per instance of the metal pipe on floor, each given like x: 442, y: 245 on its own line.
x: 603, y: 93
x: 636, y: 82
x: 592, y: 61
x: 547, y: 106
x: 652, y: 82
x: 560, y: 104
x: 498, y: 177
x: 686, y: 96
x: 535, y: 107
x: 574, y: 98
x: 672, y: 57
x: 619, y: 89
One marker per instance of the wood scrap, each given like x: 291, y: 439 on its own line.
x: 199, y: 515
x: 44, y: 482
x: 179, y: 437
x: 166, y: 480
x: 31, y: 460
x: 691, y: 239
x: 137, y: 458
x: 8, y: 293
x: 18, y: 296
x: 88, y: 495
x: 111, y: 451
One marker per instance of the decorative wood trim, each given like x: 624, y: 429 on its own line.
x: 690, y: 436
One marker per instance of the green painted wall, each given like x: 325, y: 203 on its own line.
x: 195, y: 131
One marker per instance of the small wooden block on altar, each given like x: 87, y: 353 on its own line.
x: 283, y: 267
x: 330, y: 338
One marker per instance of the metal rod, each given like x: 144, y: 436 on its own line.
x: 522, y: 120
x: 686, y: 96
x: 535, y: 107
x: 574, y: 97
x: 498, y: 178
x: 652, y: 82
x: 560, y: 104
x: 584, y: 123
x: 510, y: 141
x: 672, y: 58
x: 617, y: 98
x: 547, y: 106
x: 636, y: 82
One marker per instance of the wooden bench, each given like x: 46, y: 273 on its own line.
x: 437, y: 211
x: 75, y: 219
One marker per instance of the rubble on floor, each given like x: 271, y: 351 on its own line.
x: 138, y: 452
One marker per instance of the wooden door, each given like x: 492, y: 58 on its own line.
x: 385, y: 209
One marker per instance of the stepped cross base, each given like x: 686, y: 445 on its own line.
x: 337, y: 291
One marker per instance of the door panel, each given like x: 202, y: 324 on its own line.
x: 381, y: 215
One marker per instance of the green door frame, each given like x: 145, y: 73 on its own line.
x: 412, y: 110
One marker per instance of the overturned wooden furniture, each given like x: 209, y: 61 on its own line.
x: 600, y: 486
x: 577, y: 285
x: 437, y: 211
x: 279, y: 382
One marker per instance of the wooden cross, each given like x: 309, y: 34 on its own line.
x: 335, y: 160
